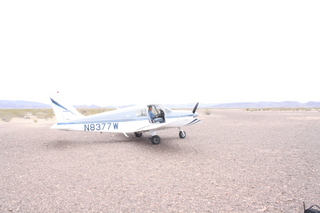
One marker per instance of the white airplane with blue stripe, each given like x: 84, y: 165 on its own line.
x: 134, y: 119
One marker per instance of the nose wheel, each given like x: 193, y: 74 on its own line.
x: 182, y: 134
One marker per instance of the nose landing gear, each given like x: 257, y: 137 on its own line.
x: 182, y: 134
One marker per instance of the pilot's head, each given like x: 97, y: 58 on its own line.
x: 150, y: 108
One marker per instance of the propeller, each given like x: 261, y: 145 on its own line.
x: 195, y: 108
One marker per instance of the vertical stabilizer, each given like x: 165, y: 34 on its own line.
x: 64, y: 112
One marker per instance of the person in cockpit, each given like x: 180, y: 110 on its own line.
x: 154, y: 119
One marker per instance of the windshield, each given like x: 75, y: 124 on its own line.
x: 167, y: 110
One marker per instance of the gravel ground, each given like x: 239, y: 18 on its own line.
x: 234, y: 161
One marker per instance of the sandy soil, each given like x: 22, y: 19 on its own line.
x: 234, y: 161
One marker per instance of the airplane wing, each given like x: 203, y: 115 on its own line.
x: 165, y: 125
x: 152, y: 127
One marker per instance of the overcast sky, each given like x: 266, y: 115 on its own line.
x: 121, y: 52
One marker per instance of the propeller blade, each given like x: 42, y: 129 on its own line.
x: 195, y: 108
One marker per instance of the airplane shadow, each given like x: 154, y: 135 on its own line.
x: 168, y: 144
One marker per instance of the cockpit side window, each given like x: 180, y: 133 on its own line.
x: 141, y: 112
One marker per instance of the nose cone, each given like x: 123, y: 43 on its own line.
x: 195, y: 115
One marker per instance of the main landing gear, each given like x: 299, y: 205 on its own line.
x: 155, y: 139
x: 138, y: 134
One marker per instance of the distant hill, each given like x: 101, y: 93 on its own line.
x: 8, y: 104
x: 284, y: 104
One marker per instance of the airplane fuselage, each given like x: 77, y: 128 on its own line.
x: 136, y: 119
x: 126, y: 121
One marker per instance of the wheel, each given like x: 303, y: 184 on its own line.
x: 138, y: 134
x: 155, y: 139
x: 182, y: 134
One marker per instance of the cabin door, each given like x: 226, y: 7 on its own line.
x: 156, y: 114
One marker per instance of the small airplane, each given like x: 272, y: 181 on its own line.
x: 134, y: 119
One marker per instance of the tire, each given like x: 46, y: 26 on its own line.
x: 155, y: 140
x: 138, y: 134
x: 182, y: 134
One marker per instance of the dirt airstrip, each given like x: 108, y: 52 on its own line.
x: 234, y: 161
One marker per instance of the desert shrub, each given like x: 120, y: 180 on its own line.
x: 7, y: 114
x: 207, y: 112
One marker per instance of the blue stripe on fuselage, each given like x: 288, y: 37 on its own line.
x: 103, y: 121
x: 83, y: 121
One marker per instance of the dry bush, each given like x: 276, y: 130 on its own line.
x: 207, y: 112
x: 7, y: 114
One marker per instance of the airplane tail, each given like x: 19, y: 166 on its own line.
x: 64, y: 112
